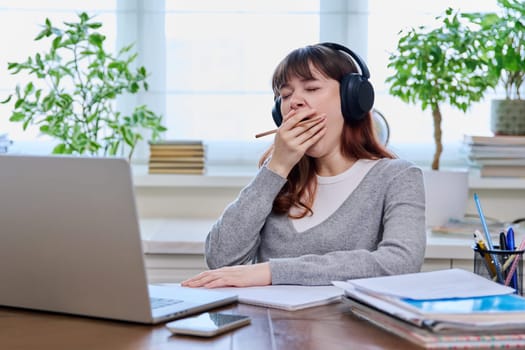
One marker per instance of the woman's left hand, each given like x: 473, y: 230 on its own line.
x: 232, y: 276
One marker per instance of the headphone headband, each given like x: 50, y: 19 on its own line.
x: 360, y: 62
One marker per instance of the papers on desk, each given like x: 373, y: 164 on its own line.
x: 450, y: 283
x: 287, y: 297
x: 439, y: 310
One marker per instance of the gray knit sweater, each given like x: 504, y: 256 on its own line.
x: 378, y: 230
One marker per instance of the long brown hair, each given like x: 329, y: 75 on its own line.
x: 358, y: 138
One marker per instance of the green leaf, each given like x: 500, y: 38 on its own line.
x: 96, y: 39
x: 8, y: 98
x: 59, y: 149
x: 17, y: 116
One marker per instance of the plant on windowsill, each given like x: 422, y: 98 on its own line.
x: 504, y: 36
x: 444, y: 65
x: 73, y: 96
x: 432, y: 67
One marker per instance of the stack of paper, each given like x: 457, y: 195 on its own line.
x: 441, y: 309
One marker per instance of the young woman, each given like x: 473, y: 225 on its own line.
x: 329, y: 201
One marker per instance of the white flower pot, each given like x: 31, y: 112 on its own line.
x: 446, y: 194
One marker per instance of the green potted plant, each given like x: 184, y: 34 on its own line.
x: 503, y: 35
x: 71, y: 92
x: 444, y: 65
x: 433, y: 67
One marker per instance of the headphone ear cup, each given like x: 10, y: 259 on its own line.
x: 276, y: 112
x: 357, y: 97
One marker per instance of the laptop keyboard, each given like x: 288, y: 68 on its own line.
x: 162, y: 302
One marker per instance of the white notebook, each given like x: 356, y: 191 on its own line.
x: 287, y: 297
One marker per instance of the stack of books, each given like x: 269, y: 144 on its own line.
x: 496, y: 156
x: 445, y: 309
x: 4, y: 143
x: 177, y: 157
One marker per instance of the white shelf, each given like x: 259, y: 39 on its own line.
x: 475, y: 181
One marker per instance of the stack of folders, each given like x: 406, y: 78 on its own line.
x: 446, y: 309
x: 177, y: 157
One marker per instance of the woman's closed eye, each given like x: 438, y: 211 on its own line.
x: 311, y: 89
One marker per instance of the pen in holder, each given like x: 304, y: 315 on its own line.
x: 511, y: 262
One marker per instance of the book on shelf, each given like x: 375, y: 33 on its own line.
x: 175, y: 159
x: 440, y: 309
x: 177, y: 152
x: 187, y: 171
x: 505, y: 161
x: 176, y: 145
x: 502, y: 170
x: 176, y: 166
x: 496, y: 151
x: 497, y: 140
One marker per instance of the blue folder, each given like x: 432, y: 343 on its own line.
x: 493, y: 303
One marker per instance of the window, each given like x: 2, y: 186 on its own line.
x: 409, y: 125
x: 20, y: 22
x: 211, y: 63
x: 220, y: 56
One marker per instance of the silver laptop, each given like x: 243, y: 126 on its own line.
x: 70, y: 243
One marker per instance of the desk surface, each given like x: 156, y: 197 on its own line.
x: 325, y: 327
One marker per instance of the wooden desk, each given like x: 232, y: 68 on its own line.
x: 325, y: 327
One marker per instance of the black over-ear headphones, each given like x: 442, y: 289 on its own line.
x: 357, y: 94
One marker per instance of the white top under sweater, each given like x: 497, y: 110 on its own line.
x: 331, y: 192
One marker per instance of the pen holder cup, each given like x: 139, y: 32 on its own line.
x: 509, y: 260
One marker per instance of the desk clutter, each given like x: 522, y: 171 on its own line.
x: 177, y: 157
x: 496, y: 156
x: 501, y: 263
x: 464, y: 311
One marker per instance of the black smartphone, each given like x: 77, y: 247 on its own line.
x: 207, y: 324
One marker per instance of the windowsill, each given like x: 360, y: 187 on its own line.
x: 227, y: 176
x: 240, y: 176
x: 187, y: 236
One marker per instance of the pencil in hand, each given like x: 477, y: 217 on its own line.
x: 269, y: 132
x: 302, y: 122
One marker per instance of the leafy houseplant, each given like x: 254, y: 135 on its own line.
x: 439, y: 66
x: 73, y: 96
x: 503, y: 35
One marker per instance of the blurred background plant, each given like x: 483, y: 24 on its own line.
x: 73, y: 96
x: 503, y: 36
x: 441, y: 65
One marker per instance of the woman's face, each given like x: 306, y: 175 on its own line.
x: 321, y: 94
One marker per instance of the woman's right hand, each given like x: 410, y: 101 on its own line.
x: 300, y: 130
